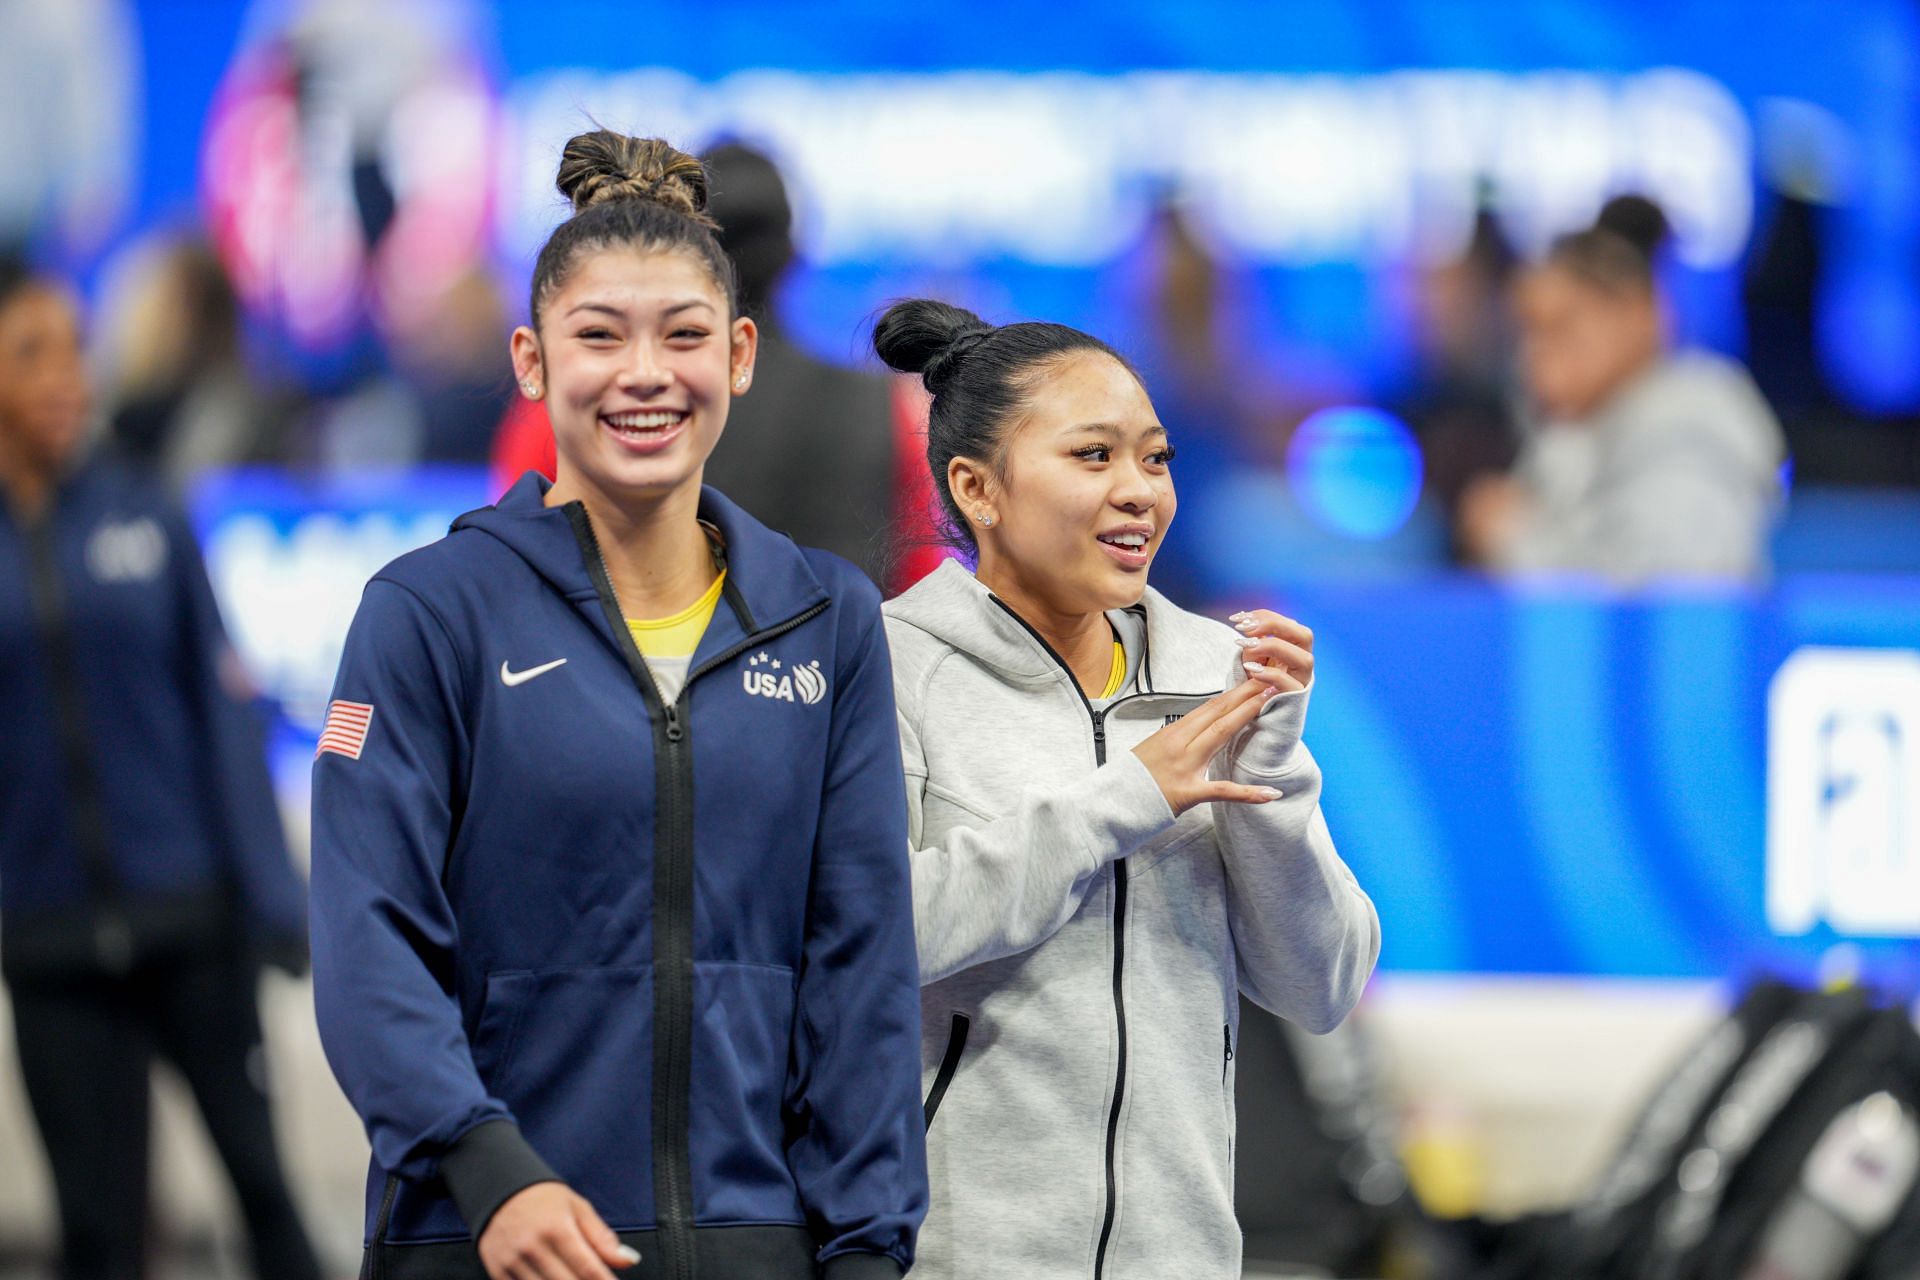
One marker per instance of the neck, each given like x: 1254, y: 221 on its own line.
x: 28, y: 488
x: 1083, y: 639
x: 656, y: 554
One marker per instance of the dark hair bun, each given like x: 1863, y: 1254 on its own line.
x: 601, y: 166
x: 1638, y: 221
x: 928, y: 338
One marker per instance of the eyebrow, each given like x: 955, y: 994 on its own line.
x: 1111, y: 431
x: 607, y: 308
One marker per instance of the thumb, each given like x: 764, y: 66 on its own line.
x: 601, y: 1236
x: 1236, y: 793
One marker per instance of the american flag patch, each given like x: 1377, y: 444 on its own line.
x: 345, y: 732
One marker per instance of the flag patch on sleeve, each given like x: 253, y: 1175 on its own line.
x: 345, y: 732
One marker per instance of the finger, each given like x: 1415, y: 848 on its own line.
x: 1265, y: 622
x: 1216, y: 735
x: 1220, y: 704
x: 580, y: 1259
x: 1277, y: 652
x: 1236, y: 793
x: 1279, y: 678
x: 545, y: 1263
x: 601, y: 1236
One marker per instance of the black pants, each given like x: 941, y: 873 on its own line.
x: 86, y: 1042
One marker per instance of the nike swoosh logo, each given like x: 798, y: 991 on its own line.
x: 512, y: 678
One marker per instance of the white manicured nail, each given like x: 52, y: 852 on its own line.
x: 630, y: 1255
x: 1253, y: 668
x: 1245, y: 642
x: 1269, y: 793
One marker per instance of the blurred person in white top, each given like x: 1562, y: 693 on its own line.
x: 1645, y: 462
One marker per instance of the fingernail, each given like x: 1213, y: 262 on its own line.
x: 1235, y: 617
x: 1244, y: 624
x: 1268, y: 793
x: 630, y: 1255
x: 1245, y: 642
x: 1253, y: 668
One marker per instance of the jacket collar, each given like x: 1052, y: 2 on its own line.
x: 769, y: 579
x: 1184, y: 653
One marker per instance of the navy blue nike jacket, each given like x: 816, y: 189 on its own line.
x: 136, y: 811
x: 662, y: 952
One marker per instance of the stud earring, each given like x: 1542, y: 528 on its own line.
x: 985, y: 520
x: 529, y: 388
x: 741, y: 382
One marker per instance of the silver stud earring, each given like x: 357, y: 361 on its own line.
x: 529, y: 388
x: 986, y: 520
x: 741, y: 382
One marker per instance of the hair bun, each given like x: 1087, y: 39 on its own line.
x: 1638, y: 221
x: 928, y: 338
x: 601, y: 166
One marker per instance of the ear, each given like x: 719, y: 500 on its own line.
x: 974, y: 490
x: 529, y: 370
x: 746, y: 346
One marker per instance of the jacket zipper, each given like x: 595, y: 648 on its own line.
x: 112, y: 942
x: 672, y: 908
x: 1228, y: 1027
x: 376, y: 1260
x: 1099, y: 719
x: 949, y: 1064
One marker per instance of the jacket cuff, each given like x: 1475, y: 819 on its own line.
x: 861, y: 1266
x: 1270, y: 746
x: 1130, y: 809
x: 488, y: 1165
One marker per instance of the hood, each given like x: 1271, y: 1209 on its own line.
x: 1185, y: 653
x: 769, y: 579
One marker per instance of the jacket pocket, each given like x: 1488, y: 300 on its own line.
x: 949, y: 1063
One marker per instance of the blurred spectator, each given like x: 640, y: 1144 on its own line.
x: 182, y: 396
x: 1460, y: 402
x: 811, y: 451
x: 453, y: 355
x: 145, y: 867
x: 1646, y: 463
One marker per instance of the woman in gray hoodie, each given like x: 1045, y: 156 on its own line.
x: 1116, y: 828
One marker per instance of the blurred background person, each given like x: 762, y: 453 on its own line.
x: 144, y: 865
x: 1647, y: 462
x: 181, y: 396
x: 1460, y: 403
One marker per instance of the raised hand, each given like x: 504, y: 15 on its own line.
x: 1178, y: 756
x: 546, y: 1232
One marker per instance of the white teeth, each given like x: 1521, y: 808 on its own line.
x: 653, y: 420
x: 1133, y: 540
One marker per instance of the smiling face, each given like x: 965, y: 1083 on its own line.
x: 44, y: 397
x: 637, y: 357
x: 1082, y: 497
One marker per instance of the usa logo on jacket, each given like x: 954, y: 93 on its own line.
x: 764, y: 677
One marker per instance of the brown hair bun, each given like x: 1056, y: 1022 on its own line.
x: 601, y: 166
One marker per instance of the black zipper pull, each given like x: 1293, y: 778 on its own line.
x: 1100, y: 736
x: 1228, y: 1028
x: 674, y: 731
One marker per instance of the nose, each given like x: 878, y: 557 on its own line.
x: 644, y: 373
x: 1133, y: 490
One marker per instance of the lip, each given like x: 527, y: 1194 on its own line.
x: 652, y: 442
x: 1128, y: 557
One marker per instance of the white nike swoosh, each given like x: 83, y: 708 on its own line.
x: 512, y: 678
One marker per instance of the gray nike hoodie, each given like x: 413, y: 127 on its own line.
x: 1081, y: 950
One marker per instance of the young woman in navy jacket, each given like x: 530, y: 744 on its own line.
x: 613, y: 931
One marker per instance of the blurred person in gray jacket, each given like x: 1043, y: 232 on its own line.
x: 814, y: 455
x: 1645, y: 462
